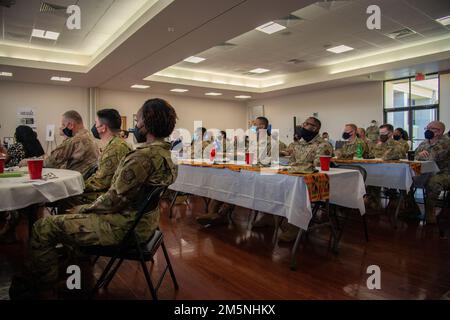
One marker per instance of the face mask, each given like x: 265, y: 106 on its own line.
x: 429, y: 134
x: 384, y: 137
x: 140, y: 138
x: 67, y: 132
x: 95, y: 132
x: 396, y: 137
x: 346, y: 135
x: 254, y: 129
x: 307, y: 135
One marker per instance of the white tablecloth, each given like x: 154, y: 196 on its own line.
x: 20, y: 192
x: 394, y: 175
x: 277, y: 194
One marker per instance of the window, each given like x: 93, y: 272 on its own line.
x: 411, y: 105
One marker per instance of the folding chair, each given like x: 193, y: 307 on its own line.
x: 130, y: 249
x: 346, y: 212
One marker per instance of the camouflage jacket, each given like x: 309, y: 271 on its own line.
x: 404, y: 145
x: 79, y: 153
x: 439, y: 152
x: 291, y: 146
x: 113, y: 152
x: 349, y: 149
x: 149, y: 165
x: 372, y: 133
x: 307, y: 153
x: 389, y: 150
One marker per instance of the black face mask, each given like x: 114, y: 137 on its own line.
x: 307, y: 135
x: 346, y: 136
x: 67, y: 132
x: 429, y: 134
x: 384, y: 137
x: 396, y: 137
x: 140, y: 138
x: 95, y: 132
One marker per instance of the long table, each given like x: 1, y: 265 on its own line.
x: 278, y: 194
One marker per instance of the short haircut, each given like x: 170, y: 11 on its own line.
x: 403, y: 133
x: 316, y: 122
x: 159, y: 117
x: 224, y: 134
x: 324, y: 133
x: 111, y: 118
x: 387, y: 126
x: 362, y: 130
x: 73, y: 115
x: 265, y: 121
x: 351, y: 125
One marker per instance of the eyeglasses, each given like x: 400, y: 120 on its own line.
x: 309, y: 124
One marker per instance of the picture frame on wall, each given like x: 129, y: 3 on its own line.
x: 124, y: 123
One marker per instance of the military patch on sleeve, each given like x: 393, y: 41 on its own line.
x: 128, y: 176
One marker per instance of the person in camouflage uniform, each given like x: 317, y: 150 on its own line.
x: 435, y: 147
x: 350, y: 147
x: 401, y: 136
x: 106, y: 128
x: 386, y: 149
x: 78, y: 151
x: 361, y: 133
x: 305, y: 158
x: 290, y: 148
x: 105, y: 221
x: 372, y: 132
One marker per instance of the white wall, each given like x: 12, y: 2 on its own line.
x: 444, y: 100
x: 218, y: 114
x: 49, y: 102
x: 357, y: 104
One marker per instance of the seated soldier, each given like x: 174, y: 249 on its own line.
x: 361, y: 133
x: 105, y: 221
x: 290, y: 149
x: 401, y: 136
x: 106, y: 128
x: 435, y: 147
x: 305, y: 158
x: 78, y: 151
x: 350, y: 148
x: 386, y: 148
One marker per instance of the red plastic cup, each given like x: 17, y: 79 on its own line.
x: 35, y: 168
x: 325, y: 163
x: 248, y: 158
x: 2, y: 164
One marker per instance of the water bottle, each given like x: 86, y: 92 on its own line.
x: 359, y: 151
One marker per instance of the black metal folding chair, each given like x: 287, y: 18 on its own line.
x: 347, y: 211
x: 131, y: 248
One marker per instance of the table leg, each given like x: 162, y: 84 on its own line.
x: 294, y: 250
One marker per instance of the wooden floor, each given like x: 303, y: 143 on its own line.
x: 234, y: 263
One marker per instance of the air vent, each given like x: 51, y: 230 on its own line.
x: 401, y: 34
x: 7, y: 3
x: 226, y: 45
x: 51, y: 8
x: 295, y: 61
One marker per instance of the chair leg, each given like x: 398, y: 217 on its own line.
x: 149, y: 280
x: 101, y: 280
x: 366, y: 233
x: 172, y: 203
x: 169, y: 264
x: 294, y: 250
x: 112, y: 274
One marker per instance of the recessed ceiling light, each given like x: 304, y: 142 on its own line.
x: 444, y: 20
x: 259, y: 70
x: 340, y: 49
x: 179, y: 90
x: 242, y: 97
x: 64, y: 79
x: 194, y: 59
x: 213, y: 94
x: 140, y: 86
x: 6, y: 74
x: 38, y: 33
x: 270, y: 27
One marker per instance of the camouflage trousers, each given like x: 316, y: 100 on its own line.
x: 69, y: 203
x: 77, y: 230
x: 435, y: 185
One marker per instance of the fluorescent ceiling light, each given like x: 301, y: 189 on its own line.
x: 179, y: 90
x: 213, y: 94
x: 140, y: 86
x: 340, y: 49
x: 38, y: 33
x: 270, y: 27
x: 193, y: 59
x: 6, y: 74
x: 64, y: 79
x: 259, y: 70
x: 242, y: 97
x: 444, y: 20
